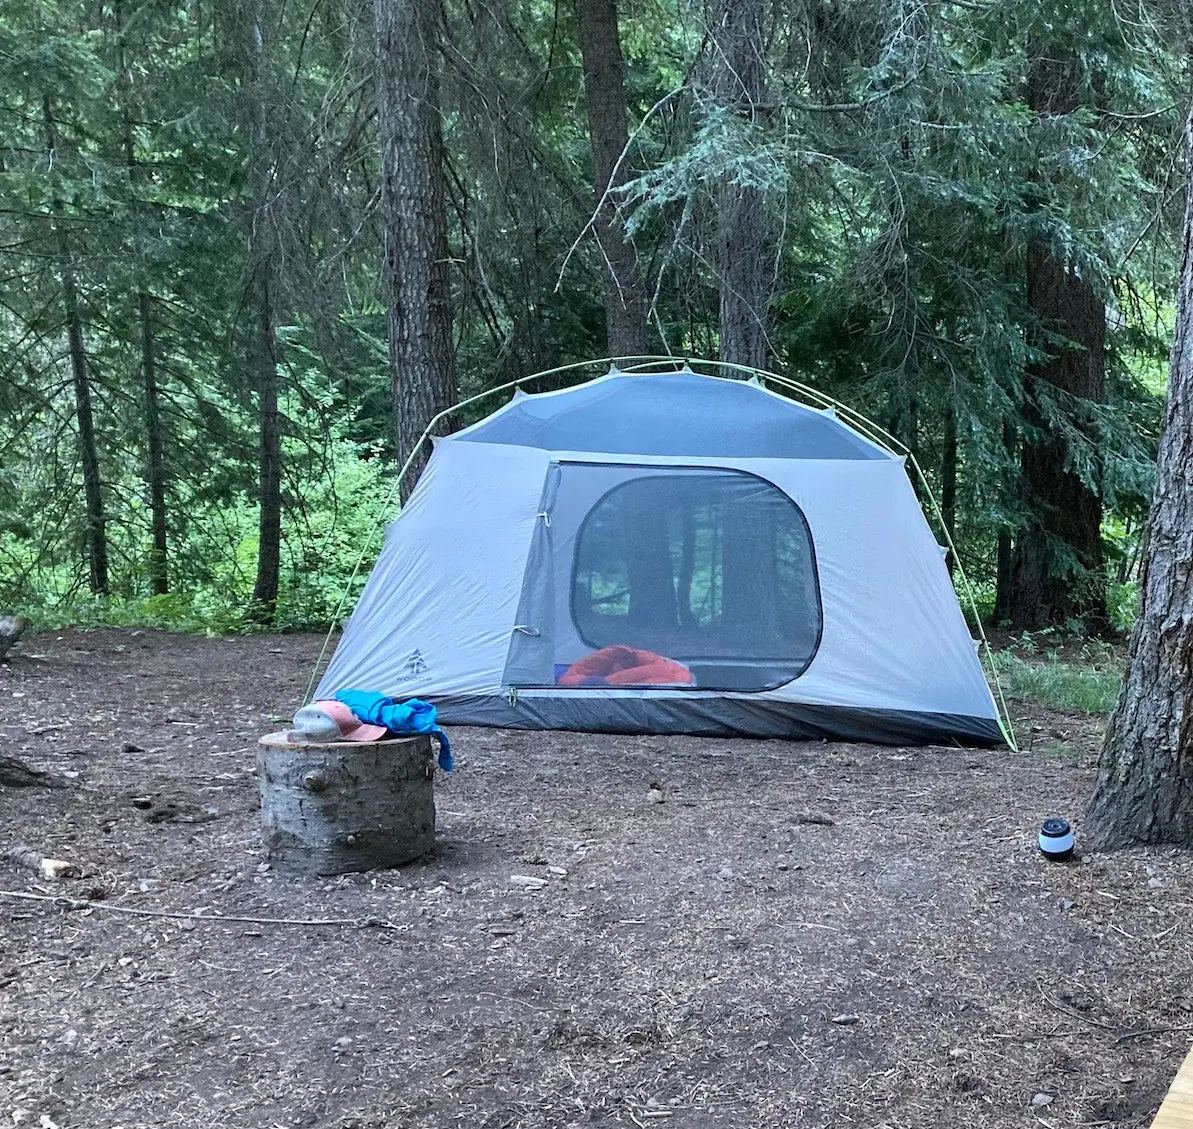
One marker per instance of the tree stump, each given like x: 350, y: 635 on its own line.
x: 346, y: 806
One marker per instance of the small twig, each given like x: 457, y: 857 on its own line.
x: 1122, y: 1036
x: 513, y: 1000
x: 1073, y: 1013
x: 1149, y: 1031
x: 82, y: 903
x: 611, y: 186
x: 88, y: 982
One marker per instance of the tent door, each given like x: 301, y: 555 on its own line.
x: 533, y: 639
x: 711, y: 568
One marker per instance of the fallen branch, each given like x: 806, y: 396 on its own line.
x: 46, y: 867
x: 83, y: 903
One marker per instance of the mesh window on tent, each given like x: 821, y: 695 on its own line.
x: 712, y: 569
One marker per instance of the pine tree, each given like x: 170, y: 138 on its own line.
x: 1057, y: 574
x: 604, y: 91
x: 1144, y: 787
x: 422, y: 362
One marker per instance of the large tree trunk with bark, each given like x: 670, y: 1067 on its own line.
x: 1144, y: 788
x: 1058, y: 573
x: 604, y: 91
x: 743, y: 247
x: 262, y: 337
x: 417, y: 281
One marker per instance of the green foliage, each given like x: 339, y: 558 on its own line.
x: 902, y: 171
x: 328, y: 550
x: 1087, y: 685
x: 910, y: 173
x: 1122, y: 604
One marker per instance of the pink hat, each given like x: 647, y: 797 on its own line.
x: 331, y: 720
x: 351, y: 728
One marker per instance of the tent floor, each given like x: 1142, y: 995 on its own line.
x: 715, y: 716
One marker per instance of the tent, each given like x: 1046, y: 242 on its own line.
x: 669, y: 553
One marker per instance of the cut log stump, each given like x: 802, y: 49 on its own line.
x: 347, y: 806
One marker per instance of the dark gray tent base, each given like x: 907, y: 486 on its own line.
x: 721, y: 717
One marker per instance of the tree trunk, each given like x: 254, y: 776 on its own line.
x: 1003, y: 553
x: 948, y: 481
x: 1058, y: 573
x: 1005, y: 548
x: 97, y: 537
x: 742, y: 230
x: 1144, y: 788
x: 604, y: 91
x: 262, y: 342
x: 417, y: 282
x: 905, y: 400
x: 96, y: 533
x: 156, y: 476
x: 159, y: 575
x: 269, y: 526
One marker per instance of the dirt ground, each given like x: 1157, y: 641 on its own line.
x: 800, y: 934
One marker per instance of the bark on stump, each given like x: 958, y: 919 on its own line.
x: 347, y: 806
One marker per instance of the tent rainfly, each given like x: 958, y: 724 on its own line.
x: 669, y: 553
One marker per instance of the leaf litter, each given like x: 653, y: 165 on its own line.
x: 812, y: 934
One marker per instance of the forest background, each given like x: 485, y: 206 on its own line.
x: 961, y: 218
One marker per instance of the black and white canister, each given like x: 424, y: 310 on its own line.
x: 1056, y: 838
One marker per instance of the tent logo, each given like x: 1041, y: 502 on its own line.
x: 414, y: 666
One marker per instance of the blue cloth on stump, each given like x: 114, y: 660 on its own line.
x: 412, y: 716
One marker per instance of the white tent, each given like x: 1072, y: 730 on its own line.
x: 669, y: 553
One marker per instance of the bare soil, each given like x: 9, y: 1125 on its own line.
x: 798, y: 934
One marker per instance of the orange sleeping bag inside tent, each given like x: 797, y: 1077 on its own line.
x: 625, y: 666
